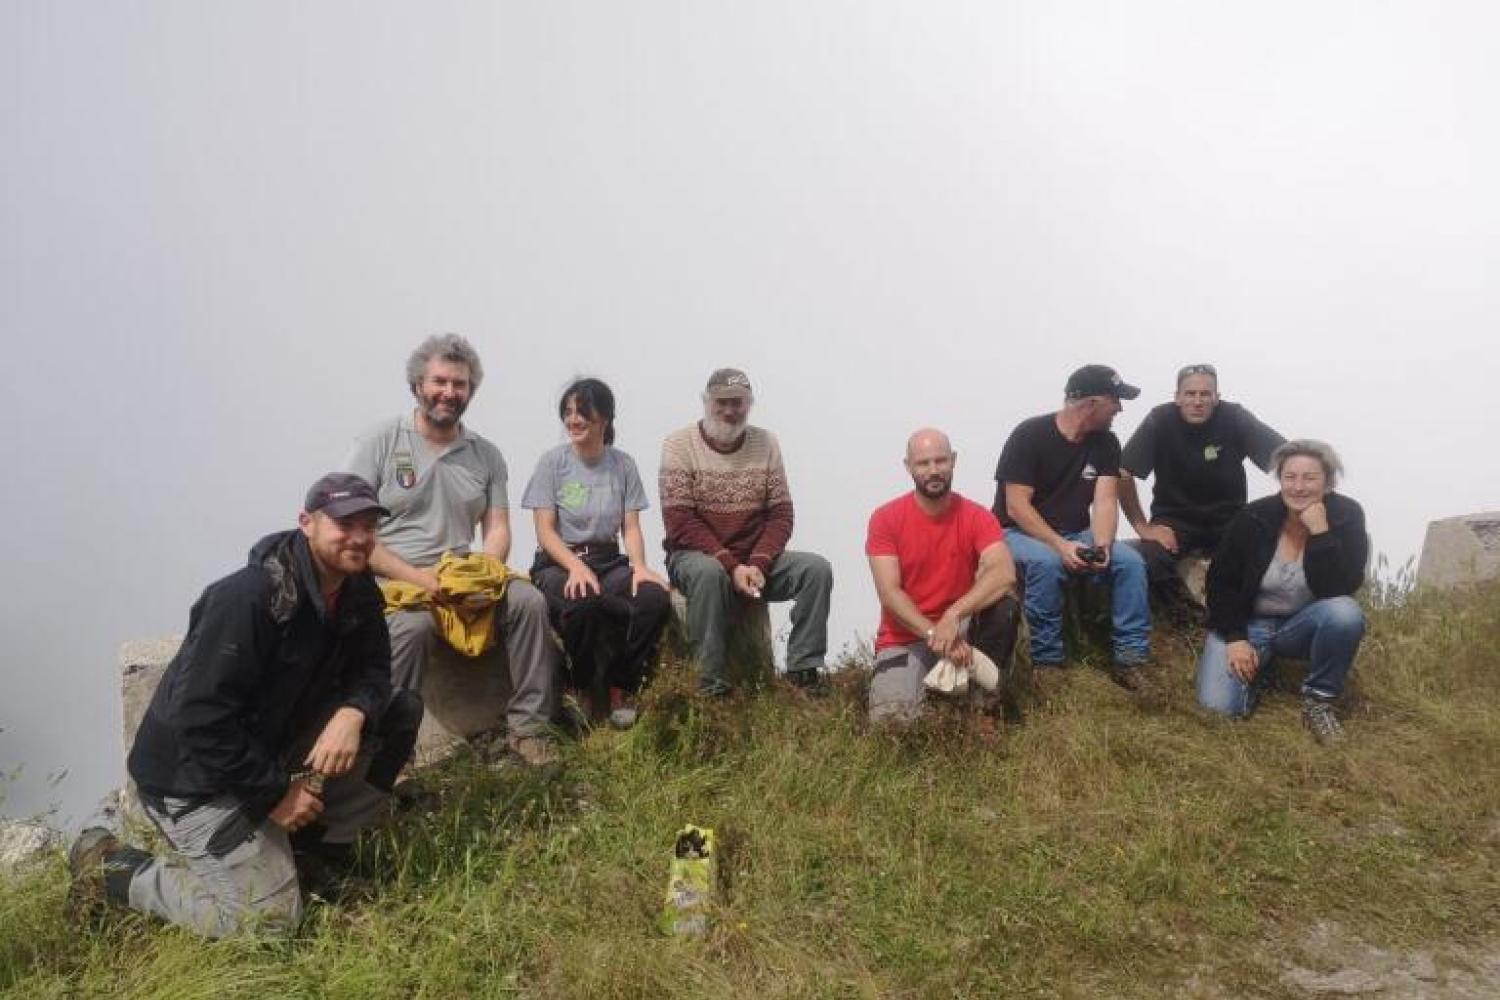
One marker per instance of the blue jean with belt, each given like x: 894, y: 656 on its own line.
x: 1044, y: 574
x: 1327, y: 633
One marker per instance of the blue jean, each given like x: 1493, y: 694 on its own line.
x: 1326, y: 633
x: 1041, y: 568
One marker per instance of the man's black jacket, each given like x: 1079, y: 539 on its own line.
x: 262, y: 668
x: 1333, y: 561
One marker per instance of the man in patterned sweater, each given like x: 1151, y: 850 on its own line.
x: 728, y: 517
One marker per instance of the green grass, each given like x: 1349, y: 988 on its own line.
x: 1095, y: 851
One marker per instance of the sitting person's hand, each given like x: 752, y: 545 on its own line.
x: 581, y: 583
x: 645, y: 574
x: 1243, y: 660
x: 1161, y: 534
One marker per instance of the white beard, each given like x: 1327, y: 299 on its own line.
x: 720, y: 433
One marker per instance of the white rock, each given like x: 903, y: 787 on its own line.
x: 23, y: 843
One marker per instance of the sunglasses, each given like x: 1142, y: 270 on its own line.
x: 1190, y: 370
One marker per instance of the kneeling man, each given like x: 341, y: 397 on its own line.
x: 274, y: 719
x: 945, y: 580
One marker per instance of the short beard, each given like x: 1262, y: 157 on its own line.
x: 721, y: 433
x: 429, y: 408
x: 947, y: 488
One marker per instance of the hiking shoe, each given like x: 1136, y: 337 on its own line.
x: 417, y: 793
x: 622, y: 710
x: 809, y: 679
x: 713, y: 687
x: 533, y: 751
x: 1129, y: 676
x: 1318, y: 717
x: 86, y: 895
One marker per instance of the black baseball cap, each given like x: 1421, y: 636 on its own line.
x: 1098, y: 380
x: 340, y: 494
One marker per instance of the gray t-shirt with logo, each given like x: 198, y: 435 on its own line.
x: 590, y: 500
x: 436, y: 496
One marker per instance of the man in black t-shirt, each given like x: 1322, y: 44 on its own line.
x: 1056, y: 495
x: 1196, y: 447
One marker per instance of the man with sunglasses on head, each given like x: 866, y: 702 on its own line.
x: 1195, y: 447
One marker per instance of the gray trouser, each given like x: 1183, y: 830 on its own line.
x: 801, y: 577
x: 530, y: 650
x: 230, y: 875
x: 896, y: 689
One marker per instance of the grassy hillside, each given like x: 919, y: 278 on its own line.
x: 1096, y: 851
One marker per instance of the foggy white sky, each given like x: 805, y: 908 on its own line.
x: 223, y: 227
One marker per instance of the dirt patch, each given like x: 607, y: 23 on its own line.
x: 1331, y: 961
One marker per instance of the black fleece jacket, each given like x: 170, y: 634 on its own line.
x: 1333, y: 561
x: 262, y: 667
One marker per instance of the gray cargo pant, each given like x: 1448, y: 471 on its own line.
x: 804, y: 578
x: 530, y: 650
x: 231, y: 875
x: 896, y: 690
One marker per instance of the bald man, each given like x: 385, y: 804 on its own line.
x: 946, y: 584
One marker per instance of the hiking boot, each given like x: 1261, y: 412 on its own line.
x: 417, y: 793
x: 713, y: 687
x: 1318, y: 717
x: 809, y: 679
x: 533, y: 751
x: 86, y: 894
x: 86, y: 863
x: 1129, y: 676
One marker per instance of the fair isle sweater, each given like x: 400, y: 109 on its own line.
x: 733, y: 506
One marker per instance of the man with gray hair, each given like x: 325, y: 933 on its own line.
x: 728, y: 515
x: 440, y: 479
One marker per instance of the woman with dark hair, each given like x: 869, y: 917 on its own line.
x: 586, y: 497
x: 1281, y: 584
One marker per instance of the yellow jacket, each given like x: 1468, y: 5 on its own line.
x: 469, y: 586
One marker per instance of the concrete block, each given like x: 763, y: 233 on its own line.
x: 1193, y: 572
x: 1461, y: 550
x: 751, y: 651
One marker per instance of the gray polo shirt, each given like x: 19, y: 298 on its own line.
x: 436, y: 496
x: 590, y: 500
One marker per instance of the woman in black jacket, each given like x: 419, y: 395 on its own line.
x: 1280, y: 584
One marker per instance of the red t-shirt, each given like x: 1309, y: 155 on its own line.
x: 938, y: 555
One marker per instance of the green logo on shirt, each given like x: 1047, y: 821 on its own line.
x: 1210, y: 452
x: 573, y: 496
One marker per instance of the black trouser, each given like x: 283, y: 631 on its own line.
x: 389, y: 739
x: 1161, y: 565
x: 591, y: 626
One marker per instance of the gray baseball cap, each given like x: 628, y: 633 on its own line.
x: 728, y: 382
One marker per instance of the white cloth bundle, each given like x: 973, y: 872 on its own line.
x: 946, y: 678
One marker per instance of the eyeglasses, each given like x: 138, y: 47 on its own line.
x: 1209, y: 370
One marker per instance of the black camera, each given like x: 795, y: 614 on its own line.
x: 1093, y: 555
